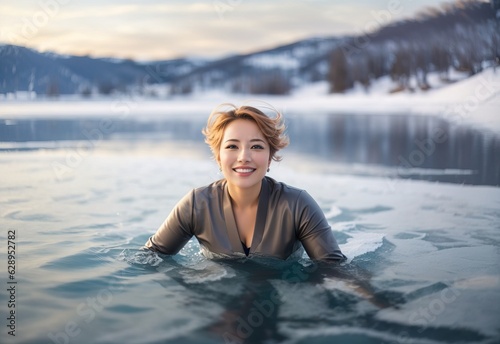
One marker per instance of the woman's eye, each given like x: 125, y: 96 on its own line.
x: 231, y: 147
x: 257, y: 147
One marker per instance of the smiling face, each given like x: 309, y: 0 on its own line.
x: 244, y: 154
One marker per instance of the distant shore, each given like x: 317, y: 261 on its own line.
x: 472, y: 101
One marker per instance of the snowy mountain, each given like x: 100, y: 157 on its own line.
x: 463, y: 37
x: 273, y: 71
x: 24, y: 69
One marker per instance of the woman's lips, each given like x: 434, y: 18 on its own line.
x: 244, y: 171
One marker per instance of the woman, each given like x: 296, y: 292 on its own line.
x: 247, y: 213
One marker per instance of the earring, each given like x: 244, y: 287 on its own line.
x: 220, y: 169
x: 268, y: 169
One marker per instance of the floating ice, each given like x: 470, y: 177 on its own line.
x: 361, y: 243
x: 334, y: 212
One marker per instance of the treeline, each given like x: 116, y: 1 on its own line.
x: 234, y: 75
x: 462, y: 36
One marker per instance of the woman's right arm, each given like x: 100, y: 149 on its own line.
x: 176, y: 230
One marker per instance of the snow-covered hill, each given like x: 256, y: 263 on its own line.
x: 409, y: 56
x: 471, y: 101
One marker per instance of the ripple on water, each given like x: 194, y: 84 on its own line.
x: 79, y: 288
x: 128, y: 309
x: 408, y: 235
x: 68, y: 197
x: 11, y: 201
x: 349, y: 215
x: 127, y: 200
x: 22, y: 215
x: 87, y: 259
x: 442, y: 242
x: 86, y: 227
x: 372, y: 210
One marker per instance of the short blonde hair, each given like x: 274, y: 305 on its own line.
x: 273, y: 129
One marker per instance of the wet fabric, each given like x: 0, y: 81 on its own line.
x: 287, y: 220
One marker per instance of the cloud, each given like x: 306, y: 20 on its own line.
x: 178, y: 28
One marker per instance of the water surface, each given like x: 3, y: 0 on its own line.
x: 423, y: 256
x: 409, y: 146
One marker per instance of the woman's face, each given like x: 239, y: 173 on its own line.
x: 244, y: 154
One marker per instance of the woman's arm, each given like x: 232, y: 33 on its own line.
x: 314, y: 231
x: 176, y: 230
x: 317, y: 238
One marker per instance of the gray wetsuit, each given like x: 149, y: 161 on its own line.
x: 287, y: 220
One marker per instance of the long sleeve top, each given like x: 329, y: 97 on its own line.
x: 287, y: 220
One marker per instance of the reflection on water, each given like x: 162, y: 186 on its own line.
x: 421, y: 147
x: 416, y: 145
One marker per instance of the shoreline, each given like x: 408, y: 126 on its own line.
x: 474, y: 101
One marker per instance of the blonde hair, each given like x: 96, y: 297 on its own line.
x: 273, y: 129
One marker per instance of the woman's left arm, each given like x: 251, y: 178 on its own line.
x: 317, y: 238
x: 314, y: 231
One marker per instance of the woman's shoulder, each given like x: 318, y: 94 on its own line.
x: 200, y: 196
x: 280, y: 192
x: 284, y: 189
x: 213, y: 188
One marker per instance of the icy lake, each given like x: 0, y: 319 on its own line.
x: 413, y: 201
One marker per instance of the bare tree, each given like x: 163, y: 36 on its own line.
x: 339, y: 73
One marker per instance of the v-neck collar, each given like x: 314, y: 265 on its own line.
x: 260, y: 221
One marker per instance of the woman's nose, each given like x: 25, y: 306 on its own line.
x: 244, y: 155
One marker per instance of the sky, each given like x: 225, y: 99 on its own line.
x: 155, y: 30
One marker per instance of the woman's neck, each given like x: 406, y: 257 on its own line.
x: 244, y: 198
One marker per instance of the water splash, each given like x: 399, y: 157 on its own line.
x: 141, y: 257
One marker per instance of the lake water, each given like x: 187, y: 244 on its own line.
x: 412, y: 201
x: 401, y: 146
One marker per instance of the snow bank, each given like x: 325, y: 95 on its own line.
x: 472, y: 101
